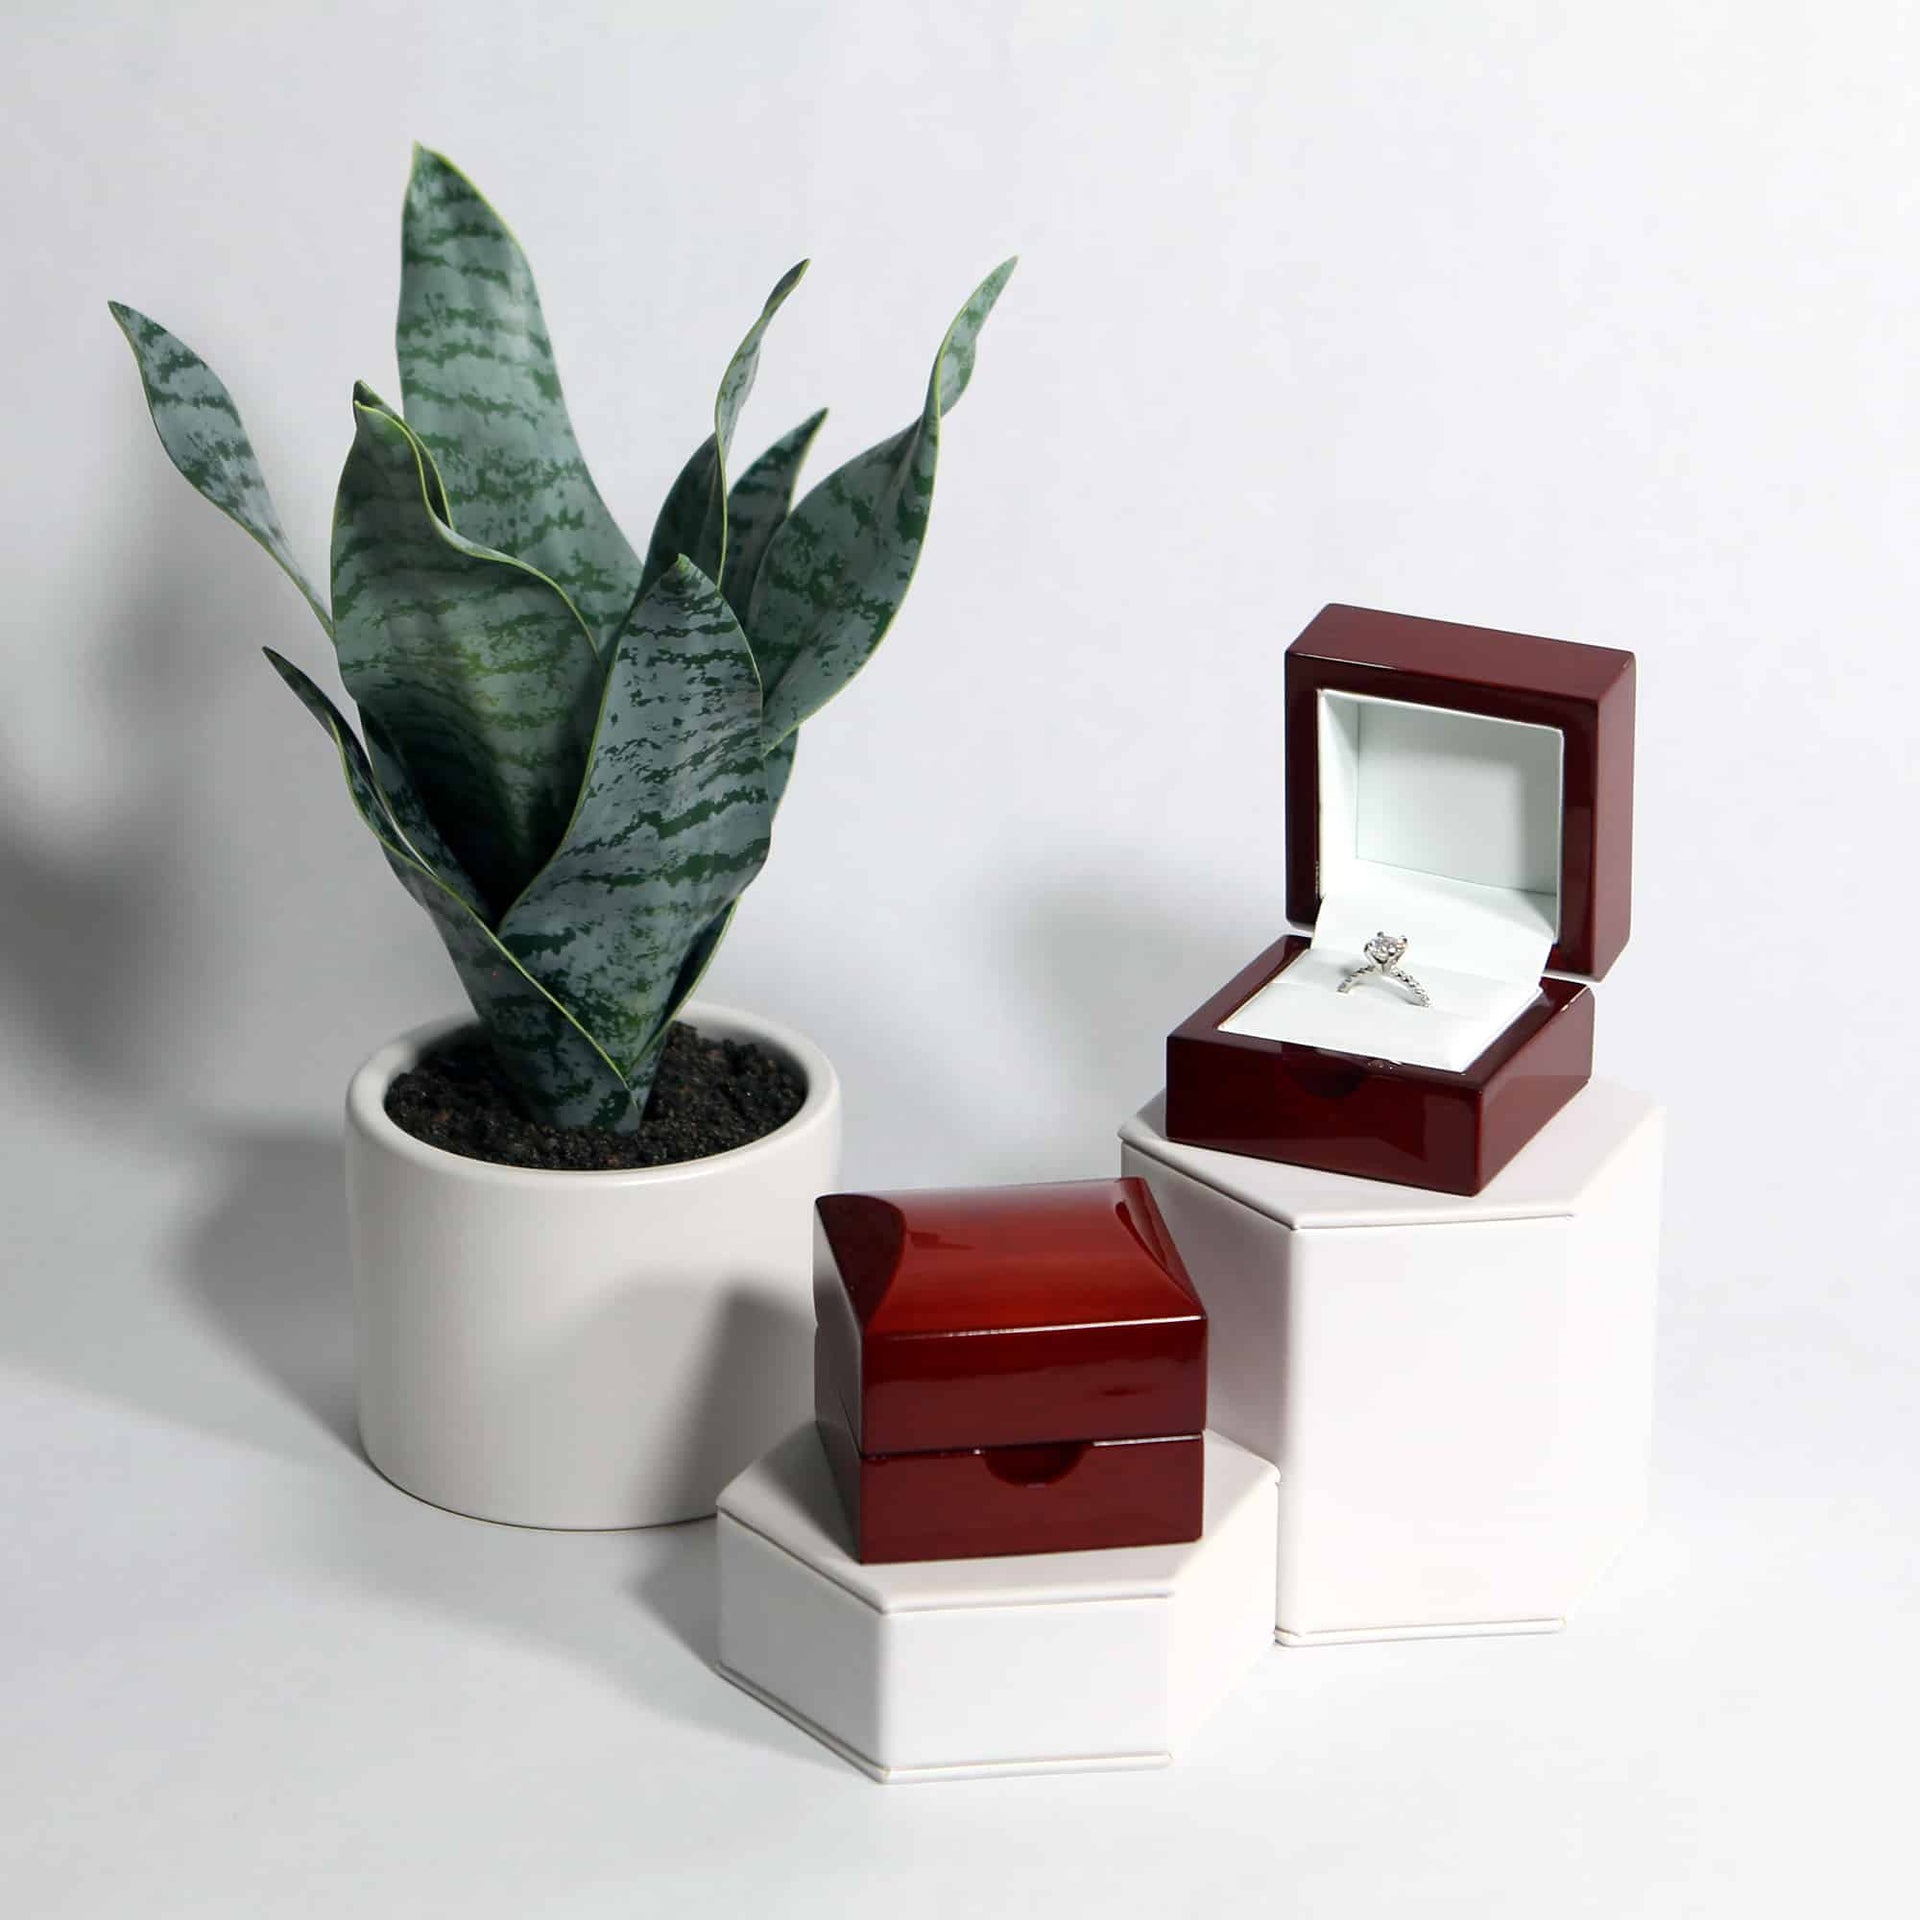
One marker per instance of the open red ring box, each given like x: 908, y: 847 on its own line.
x: 1471, y: 790
x: 1008, y: 1370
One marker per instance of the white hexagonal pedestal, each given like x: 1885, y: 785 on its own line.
x: 1030, y: 1663
x: 1458, y: 1391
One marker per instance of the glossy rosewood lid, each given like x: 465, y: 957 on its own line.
x: 1585, y: 692
x: 1007, y: 1316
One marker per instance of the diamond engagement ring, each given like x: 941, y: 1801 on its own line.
x: 1385, y: 951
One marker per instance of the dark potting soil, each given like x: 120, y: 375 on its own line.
x: 709, y: 1096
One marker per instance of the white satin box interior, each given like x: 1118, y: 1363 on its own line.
x: 1026, y: 1663
x: 1436, y: 824
x: 1457, y: 1390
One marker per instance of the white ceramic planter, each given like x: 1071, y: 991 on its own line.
x: 1024, y: 1663
x: 583, y: 1349
x: 1458, y: 1390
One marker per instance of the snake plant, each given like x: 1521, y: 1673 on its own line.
x: 572, y: 753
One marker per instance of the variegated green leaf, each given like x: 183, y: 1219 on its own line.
x: 410, y: 816
x: 480, y: 387
x: 778, y: 770
x: 759, y: 500
x: 476, y: 670
x: 671, y: 825
x: 571, y: 761
x: 839, y: 566
x: 694, y: 519
x: 779, y: 765
x: 361, y: 785
x: 693, y: 968
x: 200, y: 428
x: 559, y: 1072
x: 436, y: 487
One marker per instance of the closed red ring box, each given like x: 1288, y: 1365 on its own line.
x: 1408, y: 747
x: 1008, y: 1370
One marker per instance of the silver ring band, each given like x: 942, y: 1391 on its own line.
x: 1384, y: 954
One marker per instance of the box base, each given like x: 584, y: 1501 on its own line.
x: 1465, y: 1630
x: 1458, y: 1391
x: 959, y: 1669
x: 971, y: 1770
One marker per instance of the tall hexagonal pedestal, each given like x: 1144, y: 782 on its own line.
x: 1457, y: 1390
x: 1026, y: 1663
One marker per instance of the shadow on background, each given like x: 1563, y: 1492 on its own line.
x: 94, y: 919
x: 203, y: 1283
x: 87, y: 934
x: 265, y: 1268
x: 104, y: 969
x: 1111, y: 965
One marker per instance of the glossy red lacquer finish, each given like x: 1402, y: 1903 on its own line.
x: 1587, y: 693
x: 1066, y: 1498
x: 1416, y: 1126
x: 1006, y: 1316
x: 1009, y: 1370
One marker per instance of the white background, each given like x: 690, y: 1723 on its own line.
x: 1591, y: 321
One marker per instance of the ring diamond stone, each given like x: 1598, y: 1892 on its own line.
x: 1384, y: 953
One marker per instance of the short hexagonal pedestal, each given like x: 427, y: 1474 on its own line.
x: 1024, y: 1663
x: 1458, y: 1390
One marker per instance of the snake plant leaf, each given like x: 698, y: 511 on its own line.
x: 559, y: 1072
x: 480, y: 387
x: 389, y: 768
x: 409, y: 814
x: 693, y: 968
x: 760, y: 499
x: 361, y: 784
x: 479, y: 674
x: 779, y: 766
x: 694, y: 519
x: 570, y: 758
x: 200, y: 428
x: 839, y: 566
x: 436, y: 487
x: 671, y: 824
